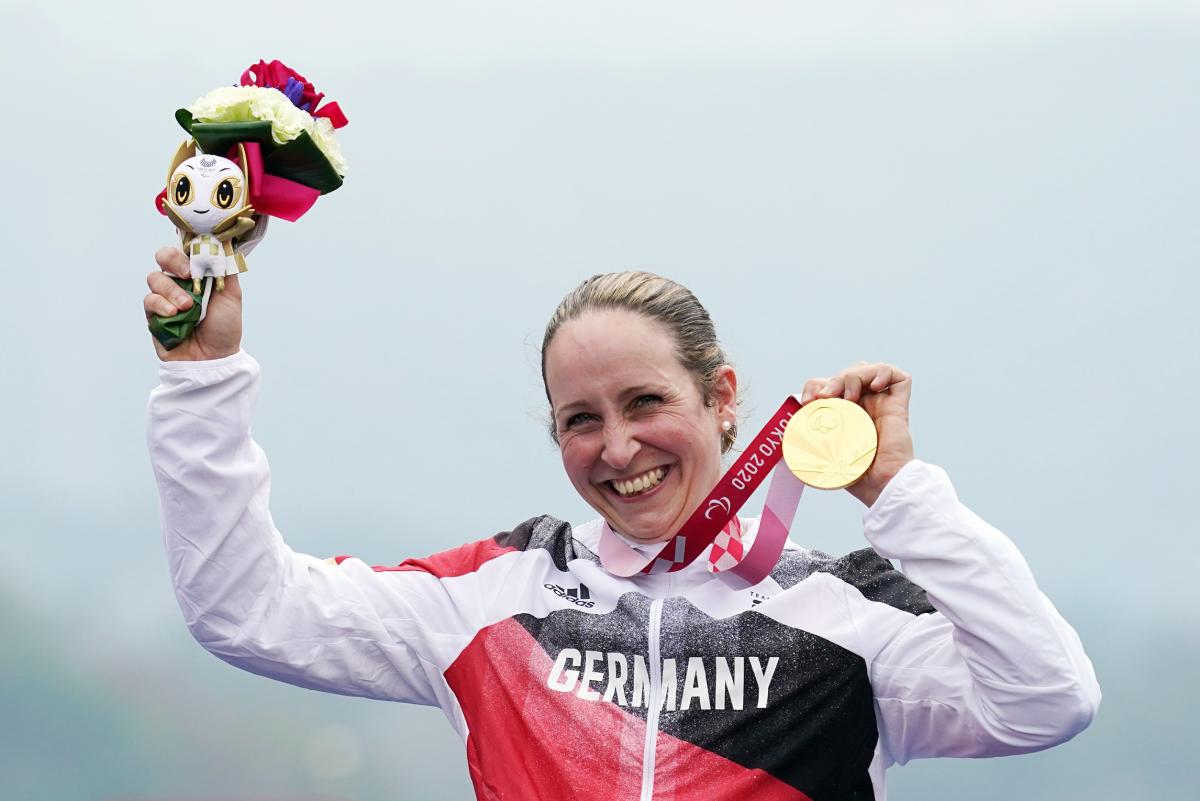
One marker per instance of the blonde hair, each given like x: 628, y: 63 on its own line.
x: 656, y: 298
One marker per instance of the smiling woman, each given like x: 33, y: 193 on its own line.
x: 640, y: 435
x: 805, y: 686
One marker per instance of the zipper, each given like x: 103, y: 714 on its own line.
x: 654, y: 700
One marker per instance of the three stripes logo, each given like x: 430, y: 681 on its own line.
x: 580, y: 596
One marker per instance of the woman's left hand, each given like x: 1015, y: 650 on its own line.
x: 883, y: 390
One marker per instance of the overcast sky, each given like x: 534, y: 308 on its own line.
x: 999, y: 198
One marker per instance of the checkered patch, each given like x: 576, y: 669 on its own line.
x: 727, y: 548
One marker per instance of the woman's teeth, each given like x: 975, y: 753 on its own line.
x: 640, y: 483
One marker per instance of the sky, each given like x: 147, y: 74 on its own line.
x: 999, y: 198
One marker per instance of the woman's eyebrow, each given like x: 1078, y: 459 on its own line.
x: 643, y: 389
x: 579, y: 404
x: 628, y: 392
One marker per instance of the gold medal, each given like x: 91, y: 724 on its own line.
x: 830, y: 443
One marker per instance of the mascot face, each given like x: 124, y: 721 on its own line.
x: 205, y: 191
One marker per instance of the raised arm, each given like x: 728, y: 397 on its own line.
x: 995, y: 670
x: 245, y: 595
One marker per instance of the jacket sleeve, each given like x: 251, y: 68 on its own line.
x: 250, y: 599
x: 995, y: 669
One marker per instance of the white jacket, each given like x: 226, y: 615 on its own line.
x: 567, y: 682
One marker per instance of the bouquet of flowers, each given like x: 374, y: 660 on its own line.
x: 263, y: 148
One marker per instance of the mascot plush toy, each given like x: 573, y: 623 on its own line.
x: 265, y: 148
x: 206, y: 199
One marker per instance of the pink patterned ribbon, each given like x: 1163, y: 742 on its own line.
x: 715, y: 513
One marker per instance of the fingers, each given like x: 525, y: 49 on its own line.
x: 811, y: 387
x: 166, y: 298
x: 157, y: 304
x: 901, y: 386
x: 855, y: 382
x: 833, y: 388
x: 882, y: 379
x: 173, y: 261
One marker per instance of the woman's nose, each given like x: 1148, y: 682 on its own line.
x: 619, y: 447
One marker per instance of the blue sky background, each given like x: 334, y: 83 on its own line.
x: 1000, y: 198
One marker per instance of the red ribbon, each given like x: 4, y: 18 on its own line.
x: 275, y: 76
x: 333, y: 112
x: 744, y: 476
x: 270, y: 194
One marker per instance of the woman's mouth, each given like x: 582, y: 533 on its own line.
x: 640, y: 484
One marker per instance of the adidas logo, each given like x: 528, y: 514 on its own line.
x: 577, y: 595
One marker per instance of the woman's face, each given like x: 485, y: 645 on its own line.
x: 638, y: 441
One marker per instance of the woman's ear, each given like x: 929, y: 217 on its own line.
x: 724, y: 393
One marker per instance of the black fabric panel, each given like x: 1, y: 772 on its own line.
x: 625, y: 630
x: 544, y: 532
x: 795, y: 566
x: 878, y: 580
x: 519, y: 537
x: 875, y: 577
x: 817, y: 731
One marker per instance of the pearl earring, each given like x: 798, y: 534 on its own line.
x: 726, y: 425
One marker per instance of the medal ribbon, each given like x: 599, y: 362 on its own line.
x: 721, y: 506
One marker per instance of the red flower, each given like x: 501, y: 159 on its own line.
x: 277, y: 75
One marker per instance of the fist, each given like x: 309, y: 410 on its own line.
x: 883, y: 391
x: 218, y: 335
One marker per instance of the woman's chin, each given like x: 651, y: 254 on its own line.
x: 647, y: 527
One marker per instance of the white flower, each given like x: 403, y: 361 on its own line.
x: 264, y: 104
x: 322, y: 134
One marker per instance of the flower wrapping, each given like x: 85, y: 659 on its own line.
x: 281, y: 110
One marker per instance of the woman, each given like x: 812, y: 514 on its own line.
x: 567, y: 681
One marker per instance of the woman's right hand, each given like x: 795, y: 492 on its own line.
x: 220, y: 333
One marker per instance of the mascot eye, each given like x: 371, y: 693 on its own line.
x: 183, y: 191
x: 226, y: 194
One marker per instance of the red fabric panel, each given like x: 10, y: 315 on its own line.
x: 530, y: 742
x: 454, y: 562
x: 686, y: 772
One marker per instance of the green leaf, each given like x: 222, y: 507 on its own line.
x: 217, y: 137
x: 300, y: 160
x: 172, y: 331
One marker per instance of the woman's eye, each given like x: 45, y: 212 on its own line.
x: 643, y: 401
x: 577, y: 419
